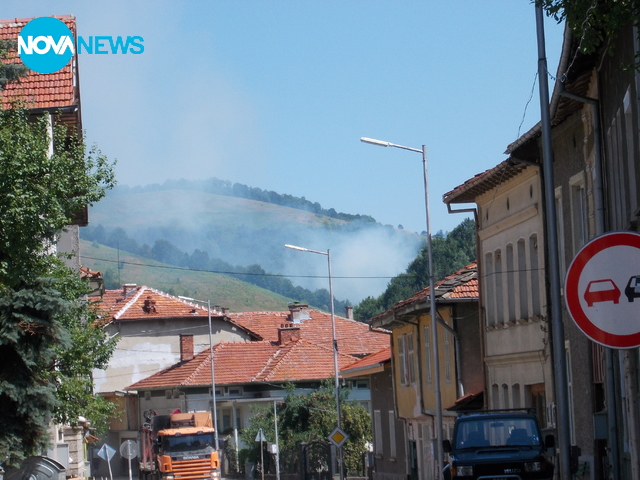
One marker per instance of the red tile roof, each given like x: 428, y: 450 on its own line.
x: 246, y: 362
x: 135, y: 303
x: 373, y: 360
x: 461, y: 285
x: 308, y: 357
x: 40, y: 90
x: 354, y: 338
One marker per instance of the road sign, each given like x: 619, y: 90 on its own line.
x: 338, y: 437
x: 260, y: 437
x: 106, y: 452
x: 129, y: 449
x: 602, y: 289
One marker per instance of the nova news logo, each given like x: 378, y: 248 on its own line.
x: 45, y: 45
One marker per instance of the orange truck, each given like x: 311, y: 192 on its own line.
x: 179, y: 446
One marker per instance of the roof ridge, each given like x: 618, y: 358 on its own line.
x: 271, y: 365
x: 130, y: 303
x: 200, y: 366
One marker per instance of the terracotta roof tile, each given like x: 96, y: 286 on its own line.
x: 460, y: 285
x: 383, y: 356
x: 37, y: 89
x: 135, y: 303
x: 354, y: 338
x: 246, y: 362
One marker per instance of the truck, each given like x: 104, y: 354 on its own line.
x: 179, y: 446
x: 499, y: 444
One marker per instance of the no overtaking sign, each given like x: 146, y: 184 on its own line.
x: 602, y: 290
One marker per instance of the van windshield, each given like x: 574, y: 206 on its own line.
x: 497, y: 432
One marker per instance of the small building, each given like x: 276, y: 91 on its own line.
x: 295, y: 347
x: 389, y: 447
x: 460, y: 367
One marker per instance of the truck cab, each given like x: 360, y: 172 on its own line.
x: 505, y: 444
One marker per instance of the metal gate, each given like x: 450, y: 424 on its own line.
x: 317, y: 462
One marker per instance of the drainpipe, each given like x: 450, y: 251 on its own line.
x: 598, y: 200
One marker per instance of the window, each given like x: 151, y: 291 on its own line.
x: 377, y: 432
x: 578, y: 212
x: 233, y: 391
x: 360, y: 384
x: 511, y: 285
x: 523, y: 291
x: 402, y: 366
x: 490, y: 293
x: 406, y: 359
x: 498, y: 287
x: 447, y: 357
x: 535, y: 274
x: 411, y: 359
x: 515, y: 394
x: 392, y: 434
x: 427, y: 352
x: 505, y: 396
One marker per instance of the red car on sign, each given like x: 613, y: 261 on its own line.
x: 601, y: 291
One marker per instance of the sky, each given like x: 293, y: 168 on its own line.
x: 276, y: 94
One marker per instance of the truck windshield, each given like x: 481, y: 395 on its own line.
x: 187, y: 443
x: 497, y: 432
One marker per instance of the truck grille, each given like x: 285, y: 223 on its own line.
x: 191, y: 469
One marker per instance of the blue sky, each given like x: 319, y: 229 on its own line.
x: 276, y: 94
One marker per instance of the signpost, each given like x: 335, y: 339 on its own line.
x: 261, y: 438
x: 602, y: 290
x: 107, y: 452
x: 338, y: 437
x: 129, y: 450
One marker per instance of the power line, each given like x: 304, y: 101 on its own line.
x: 221, y: 272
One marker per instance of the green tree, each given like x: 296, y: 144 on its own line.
x: 594, y: 23
x: 309, y: 417
x: 49, y: 341
x: 9, y: 72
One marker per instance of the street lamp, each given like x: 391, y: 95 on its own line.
x: 213, y: 381
x: 432, y: 295
x: 335, y: 342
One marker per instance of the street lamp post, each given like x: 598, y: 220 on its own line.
x: 335, y: 343
x: 213, y: 381
x: 432, y: 295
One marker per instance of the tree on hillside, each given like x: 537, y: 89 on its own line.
x: 309, y: 417
x: 450, y: 253
x: 49, y: 341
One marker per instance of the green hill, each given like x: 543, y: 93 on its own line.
x: 222, y: 290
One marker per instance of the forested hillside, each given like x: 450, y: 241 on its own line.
x: 184, y: 224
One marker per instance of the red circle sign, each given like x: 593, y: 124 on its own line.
x: 602, y: 289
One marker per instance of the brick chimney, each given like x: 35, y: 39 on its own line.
x: 186, y: 347
x: 288, y: 332
x: 299, y: 312
x: 348, y: 312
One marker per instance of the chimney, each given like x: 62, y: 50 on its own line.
x: 288, y: 332
x: 128, y: 287
x: 186, y: 347
x: 348, y: 312
x: 299, y: 312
